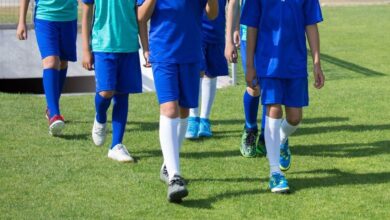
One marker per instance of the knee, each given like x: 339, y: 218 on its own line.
x: 63, y: 64
x: 253, y: 92
x: 294, y: 120
x: 274, y: 111
x: 106, y: 94
x: 184, y: 112
x: 169, y: 109
x: 51, y: 62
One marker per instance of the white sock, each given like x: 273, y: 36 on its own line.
x: 181, y: 130
x: 169, y: 142
x: 194, y: 112
x: 286, y: 130
x: 209, y: 88
x: 272, y: 143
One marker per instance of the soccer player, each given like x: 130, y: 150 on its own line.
x: 111, y: 48
x: 56, y: 31
x: 276, y: 51
x: 213, y: 65
x: 175, y: 54
x: 251, y: 99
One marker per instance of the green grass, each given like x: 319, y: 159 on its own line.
x: 340, y: 154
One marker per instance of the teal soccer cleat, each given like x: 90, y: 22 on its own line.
x: 285, y: 157
x: 278, y: 183
x: 205, y: 128
x: 193, y: 128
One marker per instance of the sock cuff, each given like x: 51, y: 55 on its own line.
x: 50, y: 70
x: 286, y: 124
x: 273, y: 120
x: 168, y: 119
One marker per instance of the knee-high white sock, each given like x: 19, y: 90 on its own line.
x: 181, y: 130
x: 286, y: 130
x: 169, y: 142
x: 194, y: 112
x: 272, y: 143
x: 209, y: 88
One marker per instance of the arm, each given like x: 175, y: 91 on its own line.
x: 313, y: 38
x: 145, y: 9
x: 251, y: 41
x: 85, y: 35
x: 143, y: 34
x: 212, y: 9
x: 232, y: 20
x: 21, y: 31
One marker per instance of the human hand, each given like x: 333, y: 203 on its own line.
x: 88, y: 60
x: 251, y: 78
x: 236, y: 38
x: 231, y: 53
x: 21, y: 31
x: 146, y: 57
x: 319, y: 77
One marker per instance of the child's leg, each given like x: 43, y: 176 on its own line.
x: 102, y: 103
x: 251, y: 106
x: 184, y: 112
x: 119, y: 117
x: 194, y: 112
x: 272, y: 136
x: 50, y: 83
x: 209, y: 88
x: 263, y: 115
x: 290, y: 124
x: 63, y: 71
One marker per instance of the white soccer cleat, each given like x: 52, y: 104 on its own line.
x: 120, y: 153
x: 99, y: 133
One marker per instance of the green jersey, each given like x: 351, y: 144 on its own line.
x: 115, y: 27
x: 56, y: 10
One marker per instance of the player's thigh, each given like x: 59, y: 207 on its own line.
x: 216, y: 62
x: 271, y: 91
x: 48, y: 38
x: 296, y: 93
x: 105, y: 71
x: 166, y: 81
x: 129, y: 78
x: 189, y: 85
x: 68, y: 37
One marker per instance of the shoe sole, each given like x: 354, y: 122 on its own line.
x: 281, y: 190
x: 191, y: 137
x: 177, y: 197
x: 204, y: 135
x: 122, y: 161
x: 56, y: 128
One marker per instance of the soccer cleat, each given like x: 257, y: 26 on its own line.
x: 164, y: 174
x: 177, y: 189
x: 120, y: 153
x: 278, y: 183
x: 56, y: 124
x: 99, y: 133
x: 193, y: 128
x: 285, y: 157
x: 260, y: 147
x: 204, y: 128
x: 248, y: 143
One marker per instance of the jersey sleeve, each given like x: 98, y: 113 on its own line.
x: 140, y: 2
x: 312, y: 11
x: 88, y: 1
x: 251, y: 13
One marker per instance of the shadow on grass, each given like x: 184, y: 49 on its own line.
x: 75, y: 136
x: 344, y: 150
x: 350, y: 66
x: 337, y: 128
x: 198, y: 155
x: 336, y: 178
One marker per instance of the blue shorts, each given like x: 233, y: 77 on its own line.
x: 243, y: 55
x: 214, y: 62
x: 57, y: 38
x: 177, y: 82
x: 287, y: 92
x: 120, y: 72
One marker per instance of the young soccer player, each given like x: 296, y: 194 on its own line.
x: 56, y: 31
x: 251, y: 98
x: 175, y: 54
x: 213, y: 65
x: 276, y: 51
x: 111, y: 48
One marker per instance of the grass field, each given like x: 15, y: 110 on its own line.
x: 340, y: 170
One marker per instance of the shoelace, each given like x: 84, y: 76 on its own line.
x: 178, y: 181
x: 250, y: 138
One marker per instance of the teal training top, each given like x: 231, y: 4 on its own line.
x: 115, y: 27
x: 56, y: 10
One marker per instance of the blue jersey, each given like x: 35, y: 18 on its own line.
x: 281, y: 43
x: 175, y: 31
x: 214, y: 30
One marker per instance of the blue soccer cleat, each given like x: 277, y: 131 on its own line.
x: 193, y: 128
x: 278, y: 183
x: 205, y: 128
x: 285, y: 157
